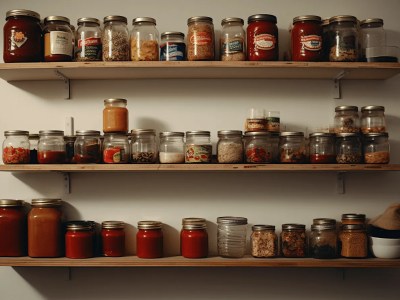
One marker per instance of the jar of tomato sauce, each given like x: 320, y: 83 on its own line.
x: 149, y: 239
x: 12, y: 228
x: 115, y: 116
x: 307, y: 38
x: 194, y: 238
x: 51, y: 147
x: 113, y: 238
x: 79, y: 240
x: 262, y: 38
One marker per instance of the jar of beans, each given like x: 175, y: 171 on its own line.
x: 144, y: 146
x: 293, y: 240
x: 373, y: 119
x: 230, y: 147
x: 346, y: 119
x: 322, y: 148
x: 292, y: 148
x: 16, y: 148
x: 264, y: 241
x: 348, y: 148
x: 376, y: 148
x: 258, y: 147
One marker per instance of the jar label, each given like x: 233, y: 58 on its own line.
x: 256, y: 124
x: 89, y: 48
x: 58, y: 42
x: 17, y: 40
x: 114, y: 155
x: 201, y: 38
x: 311, y: 42
x: 172, y: 52
x: 265, y: 41
x: 198, y: 153
x: 232, y: 46
x: 273, y: 124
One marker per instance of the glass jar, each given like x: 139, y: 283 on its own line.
x: 87, y: 147
x: 323, y: 241
x: 173, y: 47
x: 12, y: 228
x: 372, y: 35
x: 116, y: 148
x: 230, y: 147
x: 115, y: 116
x: 306, y: 38
x: 22, y: 36
x: 346, y: 119
x: 113, y: 238
x: 293, y: 240
x: 231, y: 236
x: 149, y: 239
x: 264, y: 241
x: 144, y: 40
x: 88, y: 45
x: 273, y: 121
x: 172, y: 147
x: 115, y: 39
x: 194, y: 238
x: 373, y: 119
x: 58, y: 45
x: 353, y: 239
x: 258, y: 147
x: 256, y: 120
x: 325, y: 39
x: 353, y: 219
x: 262, y: 38
x: 292, y: 148
x: 45, y: 236
x: 348, y: 148
x: 16, y: 147
x: 322, y: 148
x: 51, y: 147
x: 144, y: 146
x: 232, y: 41
x: 200, y: 39
x: 343, y: 38
x: 33, y: 146
x: 198, y: 148
x: 79, y: 241
x: 376, y: 148
x: 69, y: 148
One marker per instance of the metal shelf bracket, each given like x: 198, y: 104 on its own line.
x: 67, y: 182
x: 340, y: 183
x: 337, y: 88
x: 67, y: 84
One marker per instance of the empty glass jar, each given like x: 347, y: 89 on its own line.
x: 144, y: 146
x: 231, y: 237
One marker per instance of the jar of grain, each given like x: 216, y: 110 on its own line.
x: 343, y: 39
x: 293, y: 240
x: 354, y: 241
x: 258, y: 147
x: 58, y: 37
x: 322, y: 148
x: 144, y: 40
x: 115, y: 38
x: 88, y: 40
x: 323, y: 241
x: 348, y: 148
x: 172, y: 147
x: 232, y: 41
x: 376, y: 148
x: 200, y: 39
x: 144, y: 146
x: 115, y: 115
x: 352, y: 219
x: 292, y: 147
x: 16, y: 147
x: 230, y: 147
x: 373, y: 119
x: 198, y: 147
x: 346, y: 119
x: 231, y: 236
x: 264, y: 241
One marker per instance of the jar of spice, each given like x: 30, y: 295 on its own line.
x: 87, y: 147
x: 79, y: 240
x: 232, y: 41
x: 292, y: 147
x: 258, y: 147
x: 322, y: 148
x: 172, y: 147
x: 115, y: 39
x: 323, y: 241
x: 16, y: 147
x: 88, y: 40
x: 373, y: 119
x: 198, y: 148
x: 376, y: 148
x: 33, y: 146
x: 194, y: 238
x: 116, y: 148
x: 51, y: 147
x: 173, y: 47
x: 343, y: 38
x: 149, y: 239
x: 307, y: 38
x: 346, y: 119
x: 58, y: 38
x: 144, y: 40
x: 348, y: 148
x: 256, y: 120
x: 200, y: 39
x: 230, y: 147
x: 354, y: 241
x: 115, y: 115
x: 372, y: 35
x: 69, y: 148
x: 293, y: 240
x: 231, y: 236
x: 113, y: 238
x: 353, y: 219
x: 264, y: 241
x: 22, y: 36
x: 144, y: 146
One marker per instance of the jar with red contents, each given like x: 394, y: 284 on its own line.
x: 258, y: 147
x: 194, y: 238
x: 322, y: 148
x: 79, y: 240
x: 113, y: 238
x: 16, y: 148
x: 307, y: 38
x: 149, y: 239
x: 262, y: 38
x: 51, y: 147
x: 12, y: 228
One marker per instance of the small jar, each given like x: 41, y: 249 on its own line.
x: 373, y: 119
x: 69, y: 148
x: 232, y: 41
x: 87, y: 147
x: 149, y: 239
x: 88, y: 45
x: 353, y: 219
x: 12, y: 228
x: 322, y: 148
x: 262, y: 38
x: 115, y: 116
x: 16, y: 147
x: 306, y: 38
x: 258, y: 147
x: 79, y: 241
x: 264, y: 241
x: 323, y: 241
x: 273, y: 121
x: 256, y: 120
x: 346, y: 119
x: 144, y: 40
x: 230, y: 147
x: 372, y: 35
x: 292, y: 148
x: 376, y: 148
x: 198, y: 148
x: 354, y: 241
x: 33, y: 146
x: 173, y: 47
x: 58, y: 36
x: 116, y: 148
x: 200, y: 39
x: 231, y: 236
x: 51, y: 147
x: 343, y: 39
x: 115, y: 39
x: 293, y: 240
x: 144, y: 146
x: 45, y: 234
x: 22, y: 36
x: 113, y: 238
x: 348, y: 148
x: 172, y: 147
x: 194, y: 238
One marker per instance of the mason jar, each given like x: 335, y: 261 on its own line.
x: 264, y: 241
x: 323, y: 241
x: 198, y: 147
x: 87, y: 147
x: 144, y: 40
x: 376, y: 148
x: 372, y: 35
x: 79, y: 242
x: 116, y: 148
x: 230, y: 147
x: 144, y: 146
x: 194, y: 238
x: 115, y: 39
x: 16, y: 148
x: 58, y: 39
x: 113, y: 238
x: 51, y: 147
x: 322, y: 148
x: 149, y: 239
x: 172, y: 147
x: 292, y: 147
x: 354, y: 241
x: 373, y: 119
x: 232, y: 41
x: 200, y: 39
x: 343, y: 39
x: 115, y: 115
x: 231, y: 237
x: 258, y: 147
x: 173, y: 47
x: 348, y: 148
x: 293, y: 240
x: 346, y: 119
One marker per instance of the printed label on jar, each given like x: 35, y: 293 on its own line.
x: 114, y: 155
x: 311, y: 42
x: 265, y: 41
x: 201, y: 38
x: 89, y: 48
x: 58, y: 42
x: 172, y: 52
x: 198, y: 153
x: 256, y: 124
x: 232, y: 46
x: 273, y: 124
x: 17, y: 40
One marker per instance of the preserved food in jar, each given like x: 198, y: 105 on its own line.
x: 258, y: 147
x: 346, y: 119
x: 172, y: 147
x: 115, y: 116
x: 144, y: 146
x: 230, y: 147
x: 198, y: 148
x: 115, y: 39
x: 354, y: 241
x: 262, y: 38
x: 200, y: 39
x: 348, y: 148
x: 116, y: 148
x: 88, y: 39
x: 144, y: 40
x: 87, y: 147
x: 293, y: 240
x: 353, y: 219
x: 194, y: 238
x: 79, y: 240
x: 231, y: 237
x: 16, y: 148
x: 322, y: 148
x: 373, y: 119
x: 323, y: 241
x: 232, y: 41
x: 376, y: 148
x: 264, y: 241
x: 113, y: 238
x: 273, y: 121
x: 307, y: 38
x: 149, y: 239
x: 58, y: 37
x: 292, y: 147
x: 173, y: 47
x: 343, y: 38
x: 51, y: 147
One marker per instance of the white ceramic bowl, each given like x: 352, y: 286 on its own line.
x: 384, y: 248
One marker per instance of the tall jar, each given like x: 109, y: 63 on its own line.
x: 172, y: 147
x: 346, y: 119
x: 88, y: 40
x: 354, y: 241
x: 79, y: 241
x: 45, y: 236
x: 293, y: 240
x: 232, y: 41
x: 344, y: 39
x: 173, y: 47
x: 230, y: 147
x: 257, y: 147
x: 264, y: 241
x: 149, y: 239
x: 194, y: 238
x: 116, y: 148
x: 113, y: 238
x: 115, y: 115
x: 231, y: 236
x: 200, y: 39
x: 306, y: 37
x: 144, y: 146
x: 58, y: 38
x: 70, y: 148
x: 262, y: 38
x: 16, y: 148
x: 376, y: 148
x: 373, y: 119
x: 372, y: 35
x: 322, y: 148
x: 87, y: 147
x: 51, y: 147
x: 115, y: 39
x: 22, y: 36
x: 292, y: 148
x: 323, y: 241
x: 348, y: 148
x: 33, y: 146
x: 144, y: 40
x: 198, y: 148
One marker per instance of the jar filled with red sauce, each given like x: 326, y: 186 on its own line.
x: 322, y: 148
x: 22, y: 36
x: 194, y: 238
x: 12, y: 228
x: 262, y: 38
x: 113, y: 238
x: 307, y: 38
x: 149, y: 239
x: 51, y: 147
x: 45, y: 235
x: 79, y: 240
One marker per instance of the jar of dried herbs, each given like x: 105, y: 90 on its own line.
x: 115, y: 38
x: 264, y: 241
x: 293, y: 240
x: 323, y: 241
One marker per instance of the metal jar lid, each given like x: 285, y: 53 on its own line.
x: 372, y: 135
x: 88, y: 20
x: 322, y: 134
x: 347, y: 135
x: 373, y: 108
x: 346, y: 108
x: 144, y: 20
x: 232, y: 220
x: 307, y: 18
x: 139, y: 132
x: 56, y: 18
x: 260, y: 227
x: 324, y: 221
x: 222, y: 133
x: 199, y: 226
x: 353, y: 216
x: 23, y: 13
x: 46, y: 202
x: 344, y: 18
x: 262, y: 17
x: 256, y: 133
x: 79, y: 226
x: 149, y: 225
x: 376, y: 21
x: 172, y: 33
x: 11, y: 203
x: 87, y: 133
x: 115, y: 18
x: 16, y: 133
x: 231, y: 19
x: 293, y: 226
x: 113, y: 225
x: 51, y: 132
x: 171, y: 134
x: 353, y: 227
x: 188, y: 221
x: 199, y: 19
x: 325, y: 22
x: 322, y: 227
x: 197, y: 133
x: 292, y: 133
x: 115, y: 100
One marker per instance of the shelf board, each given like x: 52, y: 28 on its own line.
x: 201, y: 69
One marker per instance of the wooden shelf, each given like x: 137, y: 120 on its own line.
x: 192, y: 70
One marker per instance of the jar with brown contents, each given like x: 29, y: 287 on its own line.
x: 144, y: 40
x: 58, y: 37
x: 373, y: 119
x: 200, y: 39
x: 354, y: 241
x: 376, y: 148
x: 293, y: 240
x: 264, y: 241
x: 115, y: 115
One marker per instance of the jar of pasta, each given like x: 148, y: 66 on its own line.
x: 200, y: 38
x: 144, y: 40
x: 58, y: 39
x: 198, y: 148
x: 376, y: 148
x: 232, y: 41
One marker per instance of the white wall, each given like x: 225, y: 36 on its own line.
x: 210, y: 105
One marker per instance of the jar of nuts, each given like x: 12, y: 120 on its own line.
x: 232, y: 43
x: 376, y: 148
x: 144, y: 40
x: 264, y: 241
x: 200, y: 39
x: 348, y: 148
x: 346, y: 119
x: 144, y: 146
x: 293, y: 240
x: 373, y: 119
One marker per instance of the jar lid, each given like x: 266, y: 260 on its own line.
x: 232, y: 220
x: 69, y: 138
x: 371, y: 21
x: 143, y: 20
x: 115, y: 18
x: 11, y: 203
x: 353, y: 226
x: 292, y: 133
x: 56, y: 18
x: 197, y: 133
x: 353, y: 217
x: 92, y: 224
x: 149, y: 225
x: 344, y: 18
x: 372, y: 108
x: 188, y: 221
x: 307, y: 18
x: 195, y: 226
x: 376, y: 134
x: 138, y: 132
x: 260, y: 227
x: 16, y: 132
x: 115, y: 100
x: 322, y: 134
x: 293, y: 227
x: 113, y: 225
x: 325, y: 22
x: 22, y: 12
x: 51, y: 132
x: 88, y: 20
x: 322, y: 227
x: 230, y: 20
x: 262, y: 17
x: 257, y: 133
x: 199, y: 19
x: 79, y: 226
x: 346, y: 108
x: 345, y: 135
x: 46, y: 202
x: 229, y: 132
x: 172, y: 33
x: 324, y: 221
x: 87, y: 132
x: 171, y: 134
x: 33, y: 136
